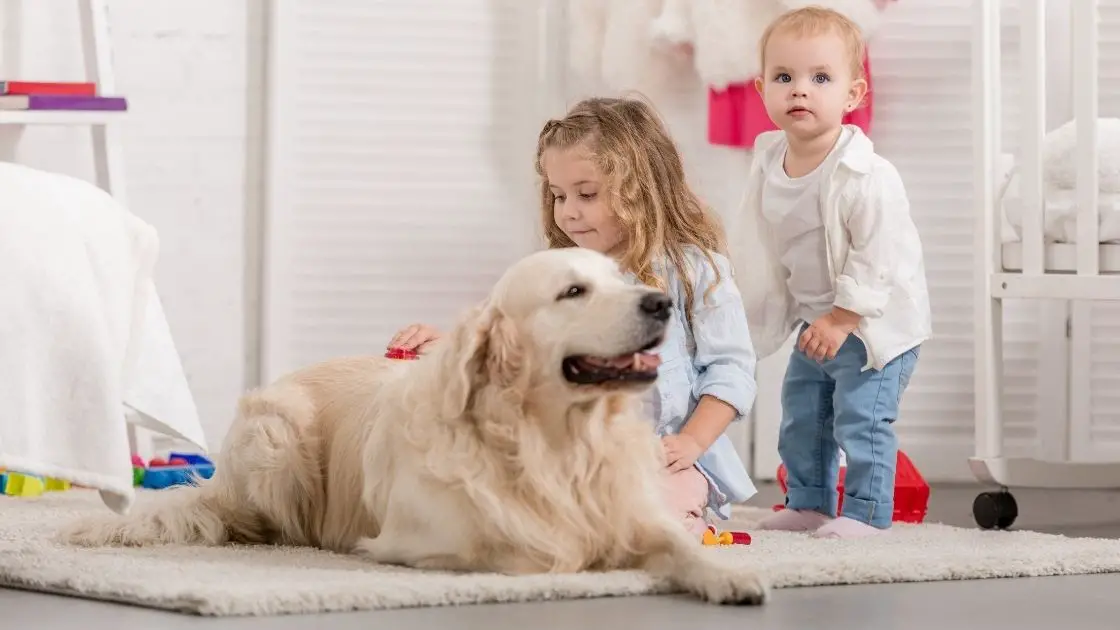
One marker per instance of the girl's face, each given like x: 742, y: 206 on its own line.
x: 808, y: 86
x: 581, y: 209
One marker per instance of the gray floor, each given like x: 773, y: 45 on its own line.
x: 1080, y: 602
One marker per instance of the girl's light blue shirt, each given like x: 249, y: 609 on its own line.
x: 714, y: 357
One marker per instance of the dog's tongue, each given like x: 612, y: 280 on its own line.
x: 646, y: 361
x: 639, y: 361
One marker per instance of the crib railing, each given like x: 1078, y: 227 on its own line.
x: 1034, y: 280
x: 1075, y: 287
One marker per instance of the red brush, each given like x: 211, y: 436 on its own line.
x: 402, y: 354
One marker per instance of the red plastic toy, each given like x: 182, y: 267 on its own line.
x: 911, y: 492
x: 402, y: 353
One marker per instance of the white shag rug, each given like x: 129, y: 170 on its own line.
x: 270, y: 581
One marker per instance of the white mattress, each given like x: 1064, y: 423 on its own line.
x: 1062, y: 257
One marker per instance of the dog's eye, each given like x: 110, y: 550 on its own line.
x: 573, y: 291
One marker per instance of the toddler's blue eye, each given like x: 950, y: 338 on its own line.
x: 782, y: 77
x: 821, y: 77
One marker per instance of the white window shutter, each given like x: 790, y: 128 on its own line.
x: 1104, y: 432
x: 401, y: 181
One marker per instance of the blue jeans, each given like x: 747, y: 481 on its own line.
x: 836, y: 404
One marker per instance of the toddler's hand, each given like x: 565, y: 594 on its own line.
x: 681, y: 451
x: 415, y: 337
x: 823, y: 338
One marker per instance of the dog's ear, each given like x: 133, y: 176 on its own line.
x: 486, y: 351
x: 505, y: 356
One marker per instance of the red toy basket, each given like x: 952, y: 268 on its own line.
x: 911, y: 492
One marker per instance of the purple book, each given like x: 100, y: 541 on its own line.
x: 55, y: 102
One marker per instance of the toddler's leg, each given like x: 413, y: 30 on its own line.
x: 687, y: 493
x: 807, y: 448
x: 866, y: 405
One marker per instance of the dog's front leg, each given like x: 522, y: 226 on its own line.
x: 671, y: 553
x: 422, y: 530
x: 410, y: 551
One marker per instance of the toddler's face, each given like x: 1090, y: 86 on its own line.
x: 581, y: 209
x: 807, y: 85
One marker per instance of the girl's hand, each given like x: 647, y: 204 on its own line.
x: 415, y: 337
x: 681, y: 451
x: 823, y: 338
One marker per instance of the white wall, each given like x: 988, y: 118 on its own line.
x: 182, y: 66
x: 401, y: 178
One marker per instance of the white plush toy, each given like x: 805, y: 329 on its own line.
x: 1059, y: 174
x: 627, y: 44
x: 1059, y: 155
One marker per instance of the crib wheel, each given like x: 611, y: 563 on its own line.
x: 995, y: 510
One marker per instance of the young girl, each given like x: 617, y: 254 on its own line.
x: 612, y: 181
x: 840, y: 261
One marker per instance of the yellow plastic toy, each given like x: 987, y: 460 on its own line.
x: 21, y: 485
x: 712, y: 539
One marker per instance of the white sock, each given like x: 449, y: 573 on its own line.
x: 845, y: 527
x: 794, y: 520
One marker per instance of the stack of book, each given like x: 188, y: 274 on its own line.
x: 41, y: 95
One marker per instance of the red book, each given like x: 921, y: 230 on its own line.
x: 53, y: 88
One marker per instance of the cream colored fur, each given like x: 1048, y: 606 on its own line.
x: 480, y: 456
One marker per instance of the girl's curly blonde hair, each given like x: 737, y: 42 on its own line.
x: 645, y: 177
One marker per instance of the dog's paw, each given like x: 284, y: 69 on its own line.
x: 725, y: 585
x: 373, y: 550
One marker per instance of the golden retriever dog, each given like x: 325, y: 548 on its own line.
x: 515, y: 445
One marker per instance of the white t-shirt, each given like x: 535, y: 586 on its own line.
x: 793, y: 206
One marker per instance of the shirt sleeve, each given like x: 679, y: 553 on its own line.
x: 725, y: 357
x: 864, y: 284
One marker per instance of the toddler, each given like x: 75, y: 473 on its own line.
x: 841, y: 263
x: 613, y: 181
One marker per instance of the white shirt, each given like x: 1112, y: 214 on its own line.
x: 793, y: 206
x: 874, y: 252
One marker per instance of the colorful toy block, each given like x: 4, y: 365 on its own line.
x: 56, y: 485
x: 177, y: 469
x: 21, y: 485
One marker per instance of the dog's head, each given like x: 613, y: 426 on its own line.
x: 566, y: 320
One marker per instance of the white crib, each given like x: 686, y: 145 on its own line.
x: 1076, y: 273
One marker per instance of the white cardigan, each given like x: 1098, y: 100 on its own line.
x: 874, y: 253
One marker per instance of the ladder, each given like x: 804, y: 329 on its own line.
x: 108, y: 155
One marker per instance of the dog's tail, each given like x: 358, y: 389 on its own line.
x: 186, y: 514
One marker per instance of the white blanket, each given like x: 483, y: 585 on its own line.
x: 82, y: 335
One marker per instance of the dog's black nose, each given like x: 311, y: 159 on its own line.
x: 656, y: 305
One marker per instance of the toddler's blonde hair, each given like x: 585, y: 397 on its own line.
x: 648, y: 193
x: 815, y: 21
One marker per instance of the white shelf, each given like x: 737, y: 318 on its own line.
x: 59, y: 117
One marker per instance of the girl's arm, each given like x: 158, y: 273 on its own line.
x: 708, y: 421
x: 725, y: 357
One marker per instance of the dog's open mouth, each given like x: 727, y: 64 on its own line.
x: 640, y: 366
